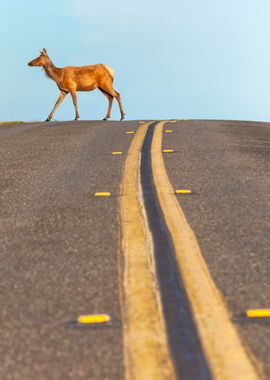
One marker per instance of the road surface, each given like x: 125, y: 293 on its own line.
x: 62, y: 252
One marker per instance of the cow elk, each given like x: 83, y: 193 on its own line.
x: 71, y: 79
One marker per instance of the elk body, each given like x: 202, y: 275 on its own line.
x: 70, y: 79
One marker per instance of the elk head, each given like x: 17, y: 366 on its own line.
x: 41, y: 60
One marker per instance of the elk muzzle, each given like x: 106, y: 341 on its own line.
x: 35, y: 62
x: 32, y: 63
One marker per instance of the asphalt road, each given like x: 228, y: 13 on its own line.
x: 227, y: 166
x: 59, y: 244
x: 59, y: 249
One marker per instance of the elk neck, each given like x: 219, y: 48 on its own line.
x: 53, y: 72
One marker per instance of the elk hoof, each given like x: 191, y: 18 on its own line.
x: 105, y: 119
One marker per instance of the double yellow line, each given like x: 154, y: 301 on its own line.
x: 147, y: 354
x: 145, y: 343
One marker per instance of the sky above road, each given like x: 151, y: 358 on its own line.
x: 172, y: 59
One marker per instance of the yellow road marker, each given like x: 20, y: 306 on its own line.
x: 93, y: 319
x: 146, y: 351
x: 168, y: 131
x: 103, y: 194
x: 168, y: 150
x: 117, y: 153
x: 225, y: 354
x: 130, y: 132
x: 183, y: 191
x: 258, y: 313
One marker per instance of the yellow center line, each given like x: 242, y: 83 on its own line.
x: 226, y: 356
x: 146, y: 349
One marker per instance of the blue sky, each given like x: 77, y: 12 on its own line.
x: 172, y: 59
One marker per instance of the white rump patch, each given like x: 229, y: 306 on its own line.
x: 111, y: 71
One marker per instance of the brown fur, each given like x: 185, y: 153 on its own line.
x: 70, y: 79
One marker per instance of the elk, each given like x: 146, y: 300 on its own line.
x: 70, y: 79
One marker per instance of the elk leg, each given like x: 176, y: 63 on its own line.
x: 74, y: 98
x: 57, y: 104
x: 110, y: 99
x: 118, y: 98
x: 110, y: 91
